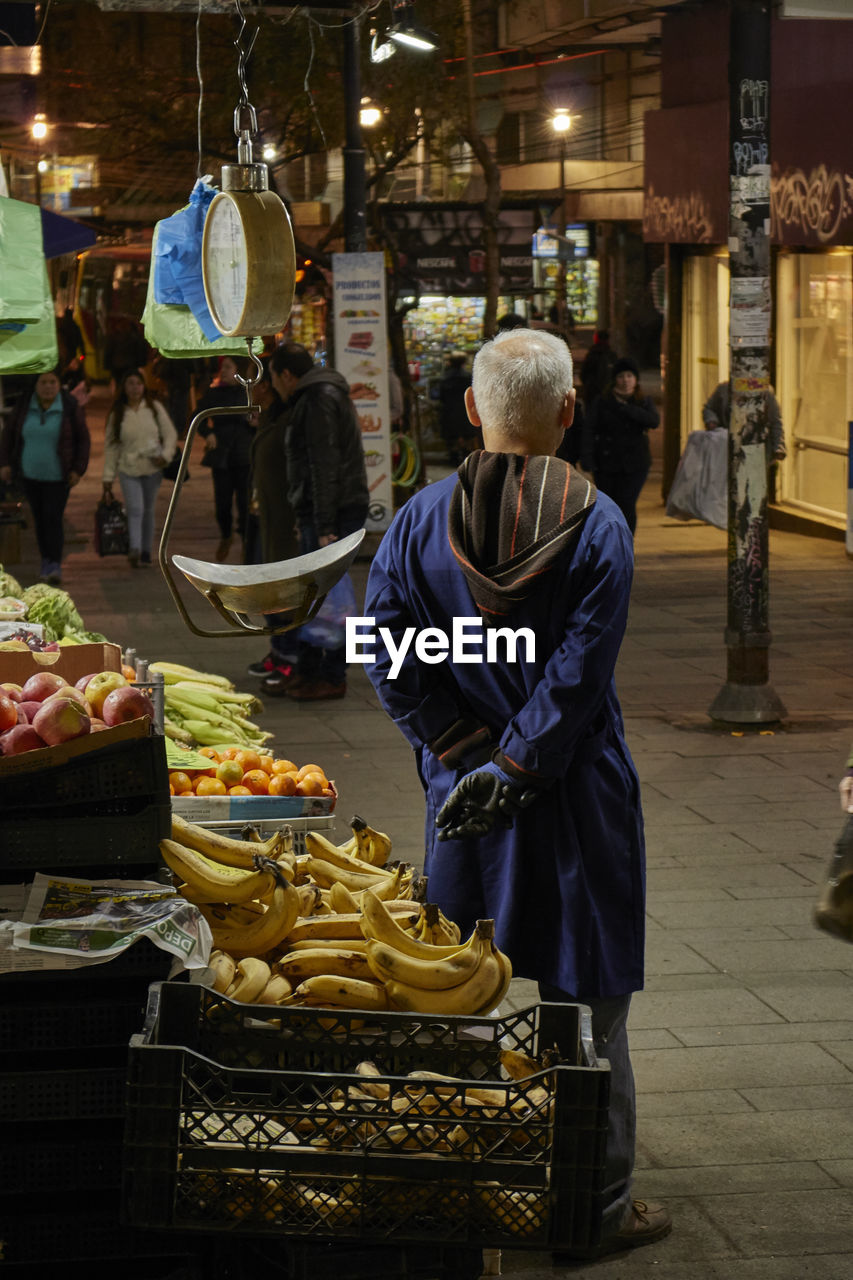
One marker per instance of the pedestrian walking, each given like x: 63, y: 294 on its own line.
x: 227, y: 444
x: 529, y: 749
x: 459, y: 435
x: 327, y: 489
x: 45, y: 445
x: 139, y: 439
x: 596, y: 372
x: 615, y: 446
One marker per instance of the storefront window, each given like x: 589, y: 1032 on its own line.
x: 815, y: 378
x: 705, y: 335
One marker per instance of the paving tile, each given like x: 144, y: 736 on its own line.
x: 727, y: 1179
x: 665, y: 954
x: 781, y: 913
x: 791, y: 1223
x: 764, y: 875
x: 813, y: 996
x: 713, y: 1008
x: 843, y: 1050
x: 782, y: 838
x: 736, y: 1139
x: 840, y: 1170
x: 696, y: 840
x: 695, y: 1102
x: 800, y: 1097
x: 737, y: 1067
x: 793, y: 955
x: 764, y: 1033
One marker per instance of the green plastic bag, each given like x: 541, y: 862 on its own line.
x: 21, y: 261
x: 174, y: 330
x: 31, y: 348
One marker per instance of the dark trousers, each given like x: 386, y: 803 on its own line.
x: 47, y: 499
x: 610, y: 1036
x: 314, y: 664
x: 624, y: 487
x: 230, y: 485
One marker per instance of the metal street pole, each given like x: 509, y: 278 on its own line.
x: 355, y: 184
x: 561, y: 242
x: 747, y: 696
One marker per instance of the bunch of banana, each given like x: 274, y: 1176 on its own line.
x: 248, y: 980
x: 422, y: 977
x: 371, y: 846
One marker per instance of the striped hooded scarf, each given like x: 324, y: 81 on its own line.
x: 510, y: 518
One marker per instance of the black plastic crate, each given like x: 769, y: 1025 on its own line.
x: 140, y: 963
x: 85, y: 843
x: 68, y: 1026
x: 119, y: 771
x: 74, y: 1230
x: 261, y: 1126
x: 32, y: 1097
x: 45, y: 1166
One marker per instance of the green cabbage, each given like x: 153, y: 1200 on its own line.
x: 9, y: 586
x: 53, y: 608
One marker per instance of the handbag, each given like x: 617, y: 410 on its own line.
x: 834, y: 911
x: 111, y: 533
x: 170, y: 471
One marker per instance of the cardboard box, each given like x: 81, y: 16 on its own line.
x: 48, y: 757
x: 71, y: 662
x: 247, y: 808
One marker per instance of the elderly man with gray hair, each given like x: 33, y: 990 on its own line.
x: 533, y: 811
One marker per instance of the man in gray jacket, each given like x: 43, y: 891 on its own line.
x: 715, y: 413
x: 327, y: 489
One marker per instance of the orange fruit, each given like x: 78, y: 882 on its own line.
x: 249, y: 760
x: 129, y: 673
x: 210, y: 753
x: 282, y: 784
x: 171, y: 789
x: 257, y: 781
x: 230, y: 772
x: 310, y: 785
x: 327, y: 791
x: 230, y: 753
x: 283, y: 766
x: 239, y: 790
x: 309, y: 768
x: 210, y: 787
x: 181, y: 782
x: 266, y: 764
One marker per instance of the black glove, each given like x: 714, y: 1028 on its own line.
x: 486, y: 798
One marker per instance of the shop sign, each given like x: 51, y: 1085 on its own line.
x: 361, y: 356
x: 439, y: 248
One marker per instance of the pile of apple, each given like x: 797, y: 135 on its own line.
x: 47, y: 710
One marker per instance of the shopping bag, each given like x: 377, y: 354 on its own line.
x: 700, y: 486
x: 834, y: 911
x: 328, y: 629
x: 111, y: 535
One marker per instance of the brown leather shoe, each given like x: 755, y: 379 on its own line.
x: 316, y: 690
x: 647, y: 1223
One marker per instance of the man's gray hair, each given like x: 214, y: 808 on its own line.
x: 520, y: 380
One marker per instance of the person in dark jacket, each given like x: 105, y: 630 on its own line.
x: 615, y: 445
x: 596, y: 372
x: 327, y: 489
x: 227, y: 443
x: 459, y: 435
x: 46, y: 445
x: 526, y: 747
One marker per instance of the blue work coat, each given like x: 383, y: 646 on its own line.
x: 565, y: 884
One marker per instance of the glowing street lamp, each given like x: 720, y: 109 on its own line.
x: 369, y: 115
x: 39, y: 127
x: 561, y: 123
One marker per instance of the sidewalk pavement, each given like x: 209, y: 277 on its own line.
x: 743, y: 1038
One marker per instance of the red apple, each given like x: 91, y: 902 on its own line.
x: 41, y: 686
x: 70, y: 692
x: 8, y: 713
x: 22, y: 737
x: 12, y: 691
x: 126, y: 704
x: 100, y: 685
x: 61, y: 720
x: 30, y: 709
x: 83, y: 681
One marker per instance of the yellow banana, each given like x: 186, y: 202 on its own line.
x: 388, y: 891
x: 339, y: 961
x: 212, y: 881
x: 519, y: 1066
x: 266, y: 931
x: 224, y: 967
x: 310, y: 897
x: 373, y: 846
x: 383, y: 925
x: 341, y: 900
x: 345, y: 993
x: 276, y: 990
x: 317, y: 846
x: 475, y: 994
x: 251, y: 979
x: 221, y: 848
x: 390, y: 965
x: 491, y: 1002
x: 327, y: 944
x: 326, y: 874
x: 347, y: 925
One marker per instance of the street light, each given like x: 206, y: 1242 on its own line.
x: 561, y: 123
x: 369, y: 115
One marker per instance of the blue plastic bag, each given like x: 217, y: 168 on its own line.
x: 177, y: 259
x: 328, y: 629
